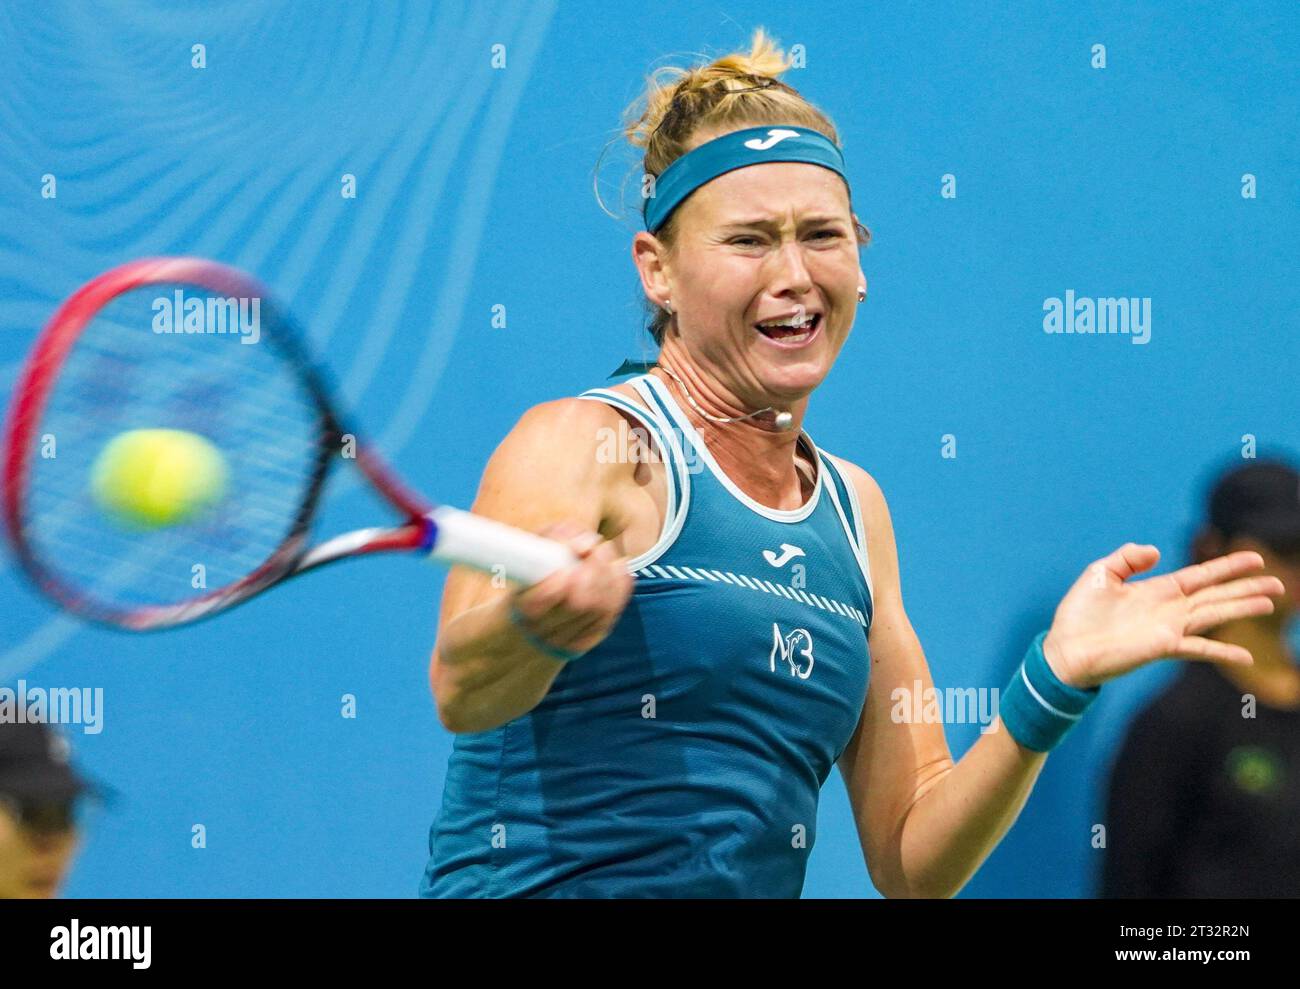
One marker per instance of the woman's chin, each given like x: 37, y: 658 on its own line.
x: 793, y: 382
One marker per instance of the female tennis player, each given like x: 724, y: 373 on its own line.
x: 657, y: 719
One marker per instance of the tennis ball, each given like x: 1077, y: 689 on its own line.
x: 150, y: 478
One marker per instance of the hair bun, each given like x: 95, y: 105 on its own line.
x: 677, y: 98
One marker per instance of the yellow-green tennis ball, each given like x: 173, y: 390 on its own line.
x: 150, y: 478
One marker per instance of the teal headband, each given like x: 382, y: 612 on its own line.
x: 752, y: 146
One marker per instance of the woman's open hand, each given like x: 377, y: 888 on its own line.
x: 1106, y: 626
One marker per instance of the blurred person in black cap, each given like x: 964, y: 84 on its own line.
x: 1204, y: 797
x: 39, y: 793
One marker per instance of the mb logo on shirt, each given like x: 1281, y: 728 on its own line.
x: 795, y: 649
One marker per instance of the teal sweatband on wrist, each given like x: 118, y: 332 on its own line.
x: 555, y: 652
x: 1036, y: 707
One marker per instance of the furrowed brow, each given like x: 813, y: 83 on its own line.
x: 768, y: 223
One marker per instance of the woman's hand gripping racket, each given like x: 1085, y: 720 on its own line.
x: 166, y: 449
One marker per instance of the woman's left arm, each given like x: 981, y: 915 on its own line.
x: 927, y: 823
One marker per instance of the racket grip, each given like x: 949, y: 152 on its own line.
x: 485, y: 544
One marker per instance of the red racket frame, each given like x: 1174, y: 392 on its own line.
x: 293, y: 555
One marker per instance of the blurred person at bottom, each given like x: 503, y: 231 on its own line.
x: 39, y: 793
x: 1204, y: 797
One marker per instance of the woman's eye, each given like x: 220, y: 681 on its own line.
x: 745, y: 241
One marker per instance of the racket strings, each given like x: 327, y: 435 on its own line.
x: 247, y: 399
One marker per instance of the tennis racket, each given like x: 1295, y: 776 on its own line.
x: 190, y: 344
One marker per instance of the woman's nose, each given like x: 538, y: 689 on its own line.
x: 793, y: 272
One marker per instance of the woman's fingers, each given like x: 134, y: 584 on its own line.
x: 575, y: 607
x: 1210, y: 650
x: 1221, y: 568
x: 593, y: 583
x: 579, y: 598
x: 1129, y: 559
x: 1215, y: 614
x: 578, y: 538
x: 1240, y: 588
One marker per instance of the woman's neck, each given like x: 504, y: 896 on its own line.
x: 761, y: 461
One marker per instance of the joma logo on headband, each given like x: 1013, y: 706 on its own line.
x: 775, y: 135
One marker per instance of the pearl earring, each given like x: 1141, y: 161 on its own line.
x: 668, y: 306
x: 862, y: 292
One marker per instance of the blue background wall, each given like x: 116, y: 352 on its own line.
x: 475, y: 189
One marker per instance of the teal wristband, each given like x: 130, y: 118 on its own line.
x: 1036, y: 707
x: 555, y: 652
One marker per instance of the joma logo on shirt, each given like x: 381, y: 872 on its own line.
x: 788, y: 553
x: 792, y: 648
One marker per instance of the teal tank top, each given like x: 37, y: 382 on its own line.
x: 684, y: 755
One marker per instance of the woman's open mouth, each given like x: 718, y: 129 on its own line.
x: 792, y: 332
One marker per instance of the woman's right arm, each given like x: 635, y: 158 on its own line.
x: 547, y: 478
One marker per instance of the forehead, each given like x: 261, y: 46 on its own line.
x: 774, y: 189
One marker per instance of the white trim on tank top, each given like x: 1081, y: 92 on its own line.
x: 859, y: 549
x: 775, y: 514
x: 653, y: 428
x: 672, y: 527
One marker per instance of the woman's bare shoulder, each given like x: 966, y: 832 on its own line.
x: 627, y: 391
x: 864, y: 485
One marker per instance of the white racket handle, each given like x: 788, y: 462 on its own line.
x: 494, y: 547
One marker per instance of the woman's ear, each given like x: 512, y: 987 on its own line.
x: 860, y: 228
x: 650, y: 257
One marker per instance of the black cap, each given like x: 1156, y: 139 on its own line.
x: 34, y: 764
x: 1259, y: 499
